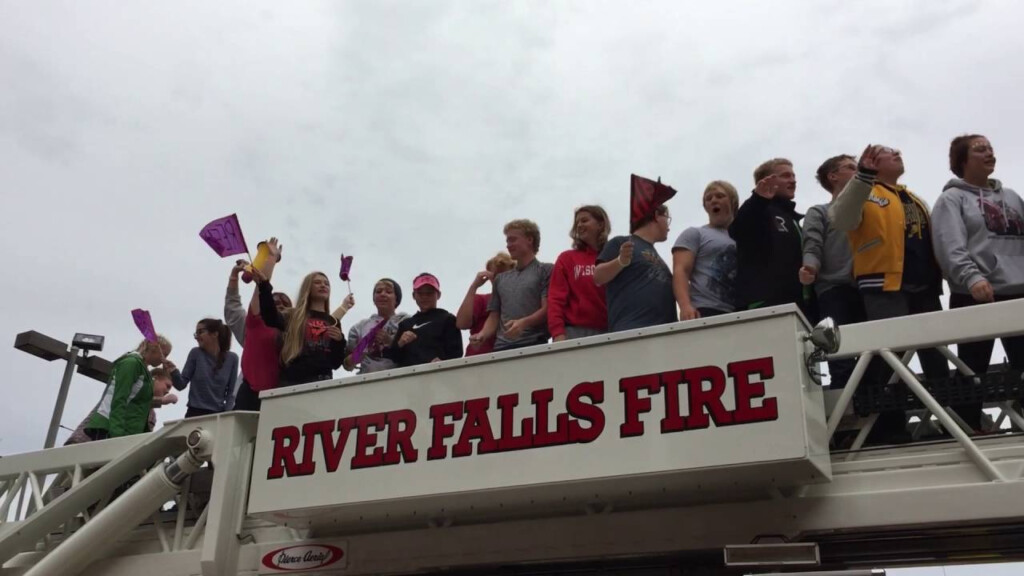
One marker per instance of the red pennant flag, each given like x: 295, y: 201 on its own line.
x: 224, y: 235
x: 644, y: 198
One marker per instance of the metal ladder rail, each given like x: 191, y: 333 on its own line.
x: 51, y: 516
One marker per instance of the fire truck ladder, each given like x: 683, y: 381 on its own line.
x: 77, y: 517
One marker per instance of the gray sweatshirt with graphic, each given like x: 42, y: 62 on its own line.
x: 978, y: 234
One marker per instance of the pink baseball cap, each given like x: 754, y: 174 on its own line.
x: 426, y: 279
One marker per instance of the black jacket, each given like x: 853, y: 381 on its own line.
x: 436, y: 337
x: 769, y: 253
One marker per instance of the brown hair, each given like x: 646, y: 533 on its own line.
x: 829, y: 166
x: 284, y: 298
x: 599, y: 214
x: 958, y: 150
x: 214, y: 326
x: 528, y: 228
x: 768, y: 167
x: 729, y: 189
x: 159, y: 374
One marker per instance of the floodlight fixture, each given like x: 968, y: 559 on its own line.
x: 41, y: 346
x: 50, y: 349
x: 90, y: 342
x: 95, y: 367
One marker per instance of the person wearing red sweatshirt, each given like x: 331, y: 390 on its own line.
x: 576, y: 305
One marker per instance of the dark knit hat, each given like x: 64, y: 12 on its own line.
x: 398, y: 290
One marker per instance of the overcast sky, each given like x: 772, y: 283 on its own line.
x: 407, y: 133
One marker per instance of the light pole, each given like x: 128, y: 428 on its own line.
x: 50, y: 349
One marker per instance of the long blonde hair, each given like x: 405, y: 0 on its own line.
x: 296, y: 318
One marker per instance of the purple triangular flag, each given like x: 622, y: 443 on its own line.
x: 224, y: 235
x: 144, y: 322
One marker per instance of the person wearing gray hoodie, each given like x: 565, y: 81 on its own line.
x: 978, y: 234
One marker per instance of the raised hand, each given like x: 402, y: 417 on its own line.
x: 238, y: 268
x: 275, y: 248
x: 767, y: 187
x: 869, y: 157
x: 482, y: 278
x: 259, y: 276
x: 626, y: 253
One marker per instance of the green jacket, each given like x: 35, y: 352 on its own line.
x: 124, y: 408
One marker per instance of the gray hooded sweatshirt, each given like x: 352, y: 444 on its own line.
x: 978, y: 234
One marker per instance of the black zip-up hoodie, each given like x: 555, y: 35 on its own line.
x: 437, y: 336
x: 769, y: 253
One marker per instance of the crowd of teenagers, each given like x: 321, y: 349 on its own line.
x: 874, y: 251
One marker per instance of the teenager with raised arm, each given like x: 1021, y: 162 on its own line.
x: 638, y: 282
x: 893, y: 262
x: 260, y: 365
x: 472, y: 313
x: 768, y: 241
x: 312, y: 343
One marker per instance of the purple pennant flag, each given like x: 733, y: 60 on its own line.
x: 145, y: 323
x: 365, y: 341
x: 224, y: 235
x: 346, y: 266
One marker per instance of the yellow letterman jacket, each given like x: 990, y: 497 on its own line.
x: 872, y: 216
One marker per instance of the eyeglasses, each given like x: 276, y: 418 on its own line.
x: 888, y: 150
